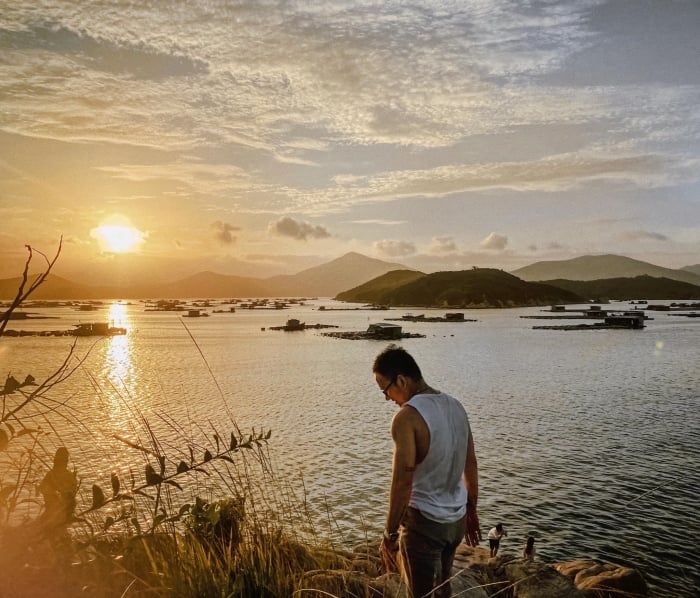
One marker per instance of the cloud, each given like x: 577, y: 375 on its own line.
x: 213, y: 179
x: 552, y: 174
x: 224, y: 232
x: 466, y: 260
x: 363, y: 85
x: 387, y: 101
x: 394, y: 248
x: 495, y: 242
x: 642, y: 235
x: 380, y: 221
x: 442, y: 245
x: 297, y: 229
x: 119, y: 57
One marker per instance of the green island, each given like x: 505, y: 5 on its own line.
x: 491, y: 288
x: 475, y: 288
x: 630, y: 288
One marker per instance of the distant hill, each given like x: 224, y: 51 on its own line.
x: 325, y: 280
x: 204, y: 284
x: 595, y: 267
x: 481, y: 287
x: 374, y: 290
x: 55, y: 287
x: 639, y: 287
x: 695, y: 269
x: 210, y: 284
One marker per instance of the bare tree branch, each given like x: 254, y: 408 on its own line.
x: 21, y: 293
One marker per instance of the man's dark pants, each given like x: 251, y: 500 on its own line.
x: 427, y: 553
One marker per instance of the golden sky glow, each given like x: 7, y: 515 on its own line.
x: 117, y: 238
x: 258, y: 139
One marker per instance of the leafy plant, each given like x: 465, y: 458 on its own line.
x: 134, y: 515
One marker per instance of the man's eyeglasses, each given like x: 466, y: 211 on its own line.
x: 388, y: 386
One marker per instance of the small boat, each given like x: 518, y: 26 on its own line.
x: 97, y: 329
x: 87, y: 307
x: 195, y: 313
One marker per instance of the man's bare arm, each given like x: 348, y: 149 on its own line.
x: 404, y: 467
x: 471, y: 480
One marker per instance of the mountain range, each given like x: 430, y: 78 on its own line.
x: 637, y: 287
x: 328, y: 280
x: 596, y: 267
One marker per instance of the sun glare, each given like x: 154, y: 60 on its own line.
x: 117, y: 238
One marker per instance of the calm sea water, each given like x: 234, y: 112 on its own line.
x: 588, y: 440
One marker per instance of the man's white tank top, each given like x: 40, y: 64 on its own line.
x: 438, y: 490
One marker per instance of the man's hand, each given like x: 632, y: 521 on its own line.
x: 473, y: 534
x: 388, y: 550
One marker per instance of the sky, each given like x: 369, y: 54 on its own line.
x: 163, y: 138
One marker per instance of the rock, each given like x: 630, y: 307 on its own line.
x: 571, y: 568
x: 363, y: 579
x: 538, y: 580
x: 477, y: 575
x: 601, y: 580
x: 467, y: 583
x: 514, y: 577
x: 476, y: 558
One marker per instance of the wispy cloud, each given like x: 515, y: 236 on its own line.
x: 381, y: 222
x: 643, y: 235
x: 552, y: 174
x: 393, y: 248
x: 136, y: 59
x: 379, y: 72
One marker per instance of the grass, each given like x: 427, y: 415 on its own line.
x: 158, y: 532
x: 149, y: 536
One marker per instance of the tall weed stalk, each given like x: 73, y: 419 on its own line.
x: 155, y: 530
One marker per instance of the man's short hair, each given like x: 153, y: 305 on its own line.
x: 395, y: 361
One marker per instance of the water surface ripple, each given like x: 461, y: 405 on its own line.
x: 588, y: 440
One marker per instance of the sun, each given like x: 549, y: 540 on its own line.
x: 118, y: 238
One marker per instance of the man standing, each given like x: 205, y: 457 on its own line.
x: 434, y: 485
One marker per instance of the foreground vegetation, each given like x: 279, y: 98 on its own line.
x: 153, y: 533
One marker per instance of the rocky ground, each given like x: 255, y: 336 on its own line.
x: 477, y: 576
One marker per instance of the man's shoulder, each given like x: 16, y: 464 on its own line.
x: 407, y: 413
x: 408, y: 417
